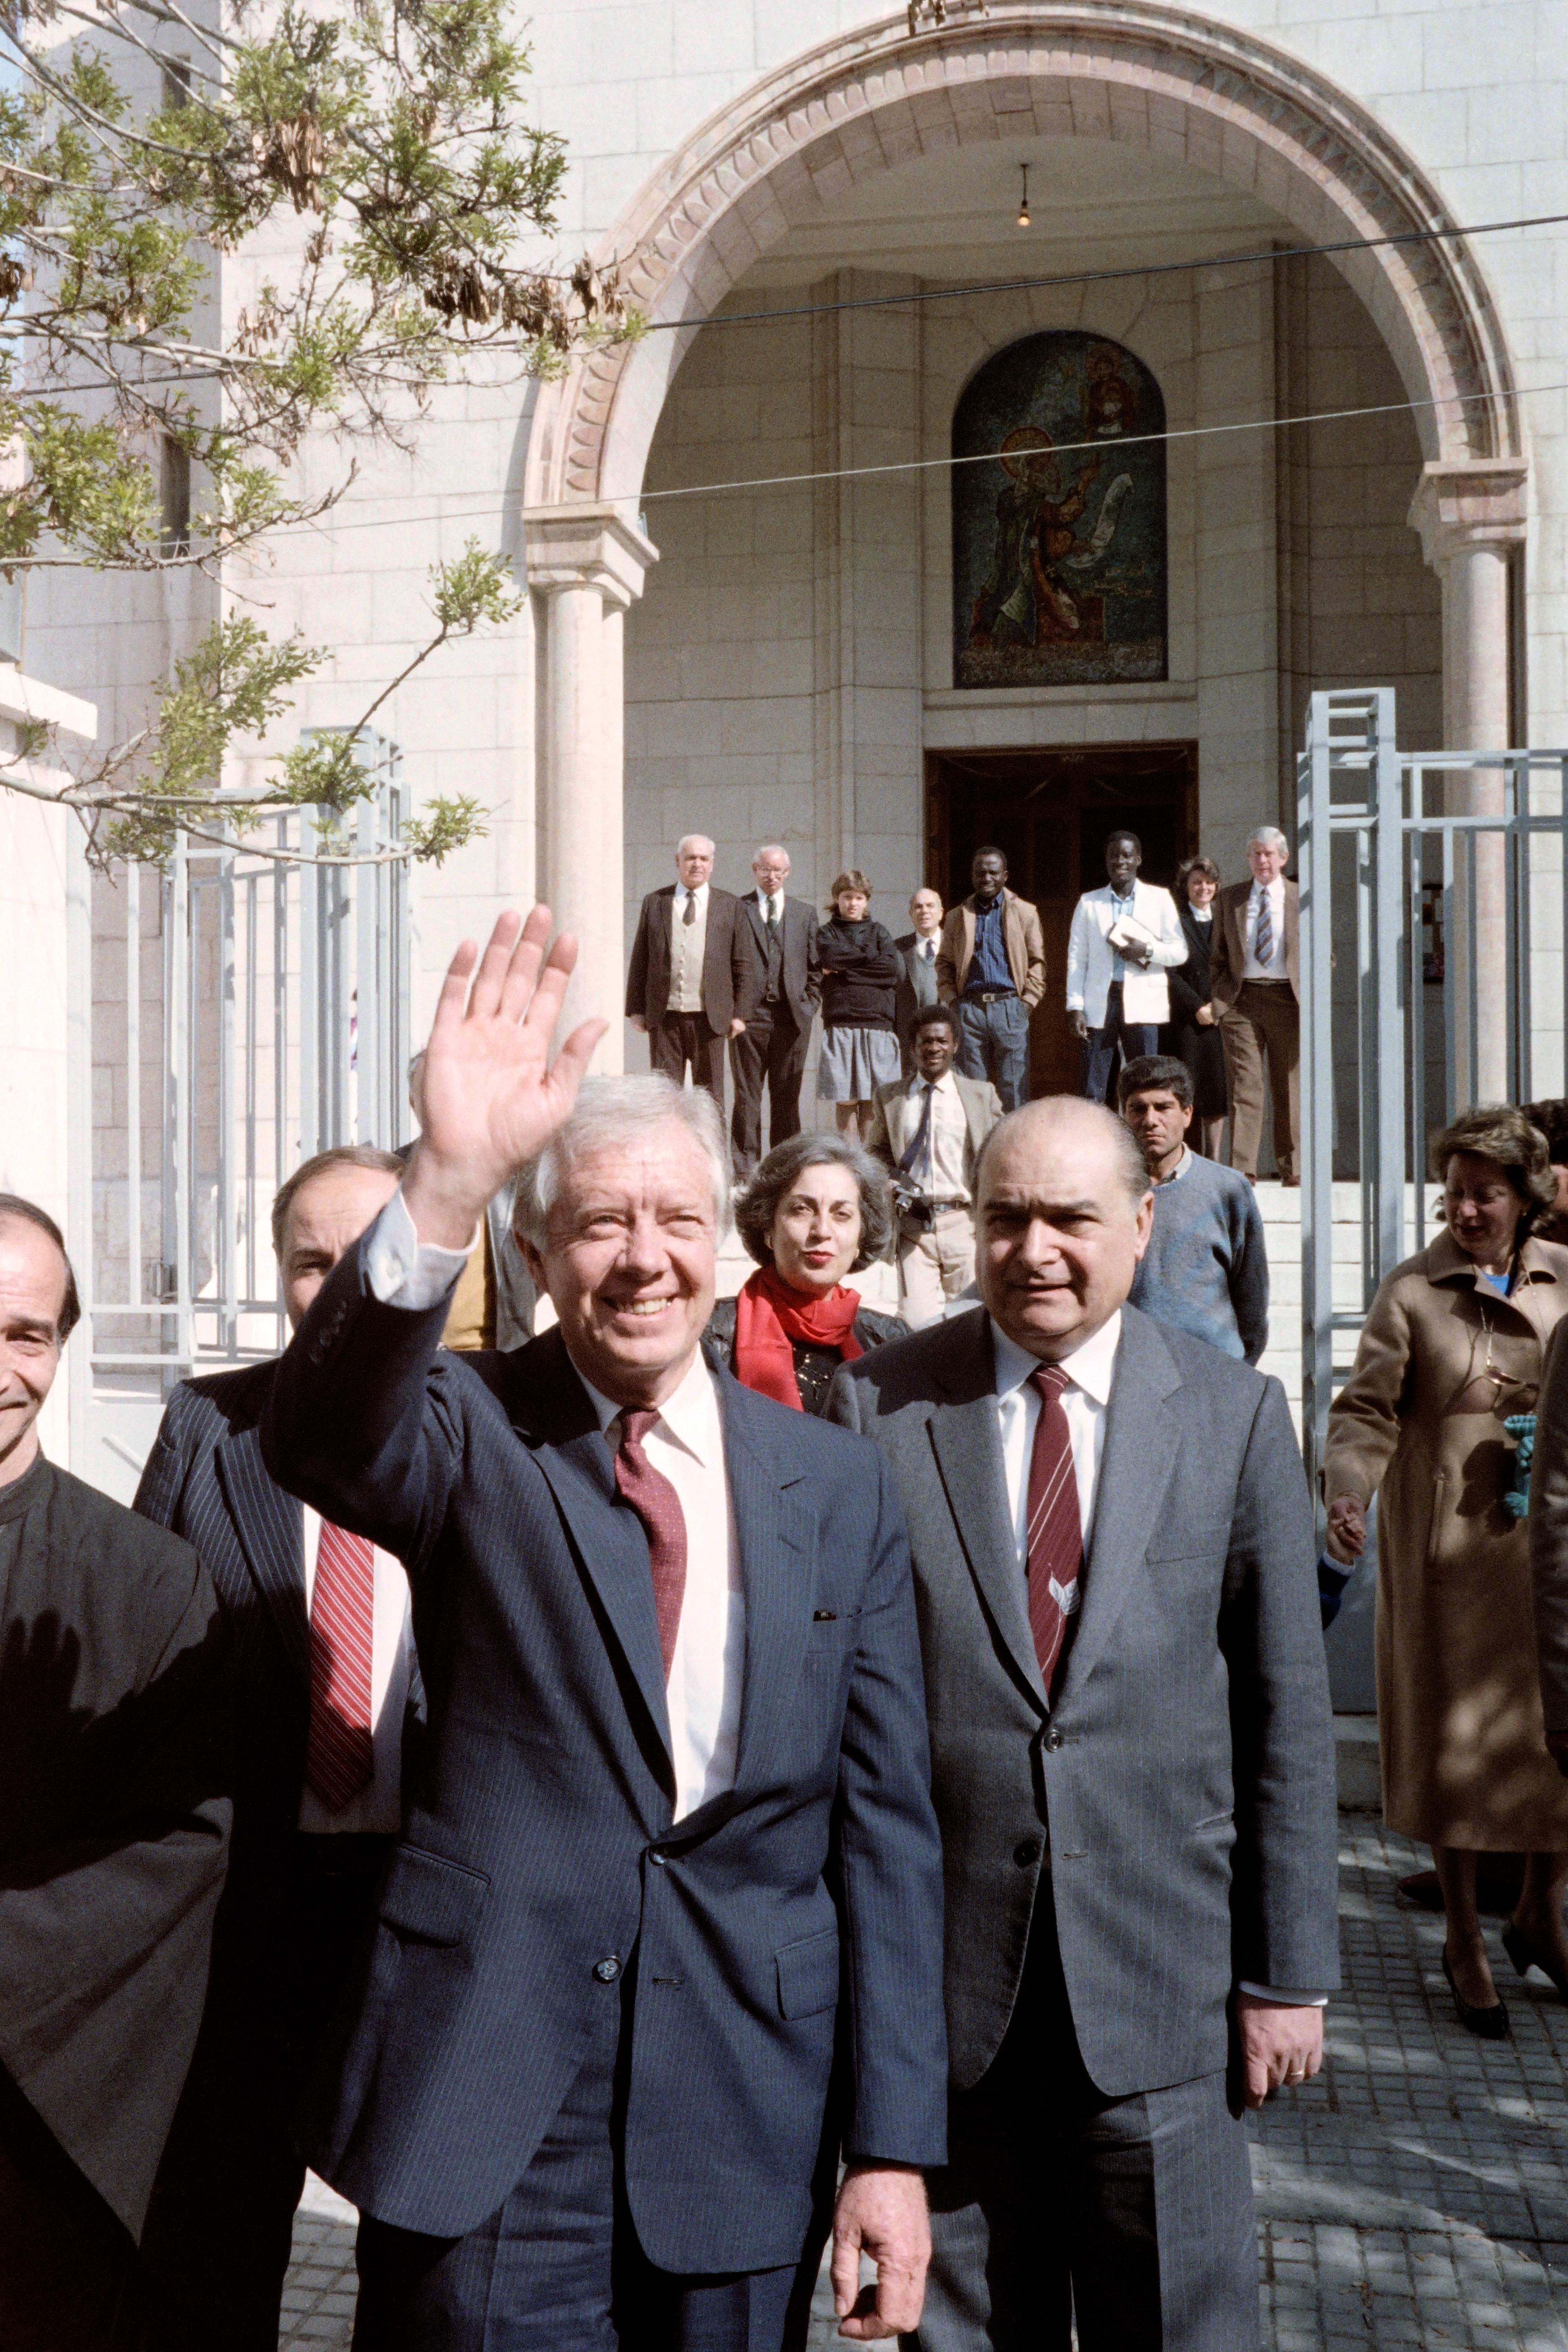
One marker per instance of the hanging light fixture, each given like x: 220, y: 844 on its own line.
x: 1024, y: 200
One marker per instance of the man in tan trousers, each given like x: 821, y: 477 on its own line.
x: 1256, y: 1002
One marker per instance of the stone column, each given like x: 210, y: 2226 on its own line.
x: 587, y: 562
x: 1472, y: 516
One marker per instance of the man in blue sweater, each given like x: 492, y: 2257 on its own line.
x: 1205, y: 1269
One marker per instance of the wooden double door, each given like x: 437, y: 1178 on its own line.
x: 1051, y: 813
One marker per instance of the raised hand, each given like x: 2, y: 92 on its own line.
x: 490, y: 1096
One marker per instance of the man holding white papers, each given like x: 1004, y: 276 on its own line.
x: 1124, y: 939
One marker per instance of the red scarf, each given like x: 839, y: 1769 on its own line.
x: 769, y: 1315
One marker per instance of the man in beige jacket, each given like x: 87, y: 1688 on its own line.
x: 927, y: 1132
x: 991, y: 966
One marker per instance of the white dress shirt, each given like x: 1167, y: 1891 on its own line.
x: 703, y: 1693
x: 939, y: 1172
x: 686, y: 1444
x: 1089, y: 1371
x: 1274, y: 967
x: 686, y: 944
x: 379, y: 1804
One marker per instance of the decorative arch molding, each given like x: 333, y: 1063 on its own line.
x: 1147, y: 76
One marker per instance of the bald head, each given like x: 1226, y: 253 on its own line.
x: 38, y: 1308
x: 1063, y: 1211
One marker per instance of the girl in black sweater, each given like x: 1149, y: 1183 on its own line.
x: 860, y: 970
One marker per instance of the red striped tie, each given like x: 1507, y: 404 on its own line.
x: 1054, y: 1538
x: 339, y: 1754
x: 654, y: 1499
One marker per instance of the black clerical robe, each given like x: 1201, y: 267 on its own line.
x: 114, y: 1818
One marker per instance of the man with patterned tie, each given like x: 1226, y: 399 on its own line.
x: 324, y: 1687
x: 1254, y: 973
x: 673, y: 1804
x: 1131, y: 1761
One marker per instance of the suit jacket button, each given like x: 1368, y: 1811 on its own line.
x: 658, y: 1859
x: 1053, y: 1740
x: 607, y: 1970
x: 1026, y: 1851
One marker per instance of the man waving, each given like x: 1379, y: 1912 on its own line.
x: 673, y: 1804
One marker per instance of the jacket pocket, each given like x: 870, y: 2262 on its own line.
x: 431, y: 1899
x: 808, y: 1975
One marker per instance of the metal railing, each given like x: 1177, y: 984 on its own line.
x: 234, y: 1011
x: 1453, y: 921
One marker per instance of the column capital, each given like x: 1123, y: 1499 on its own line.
x: 1473, y: 502
x: 586, y: 545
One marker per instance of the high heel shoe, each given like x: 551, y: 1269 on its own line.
x: 1526, y: 1953
x: 1489, y: 2023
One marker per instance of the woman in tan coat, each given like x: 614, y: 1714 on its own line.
x: 1453, y: 1345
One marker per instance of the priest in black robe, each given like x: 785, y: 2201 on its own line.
x: 114, y: 1818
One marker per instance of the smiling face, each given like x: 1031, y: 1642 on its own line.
x: 1122, y: 860
x: 1200, y: 890
x: 815, y: 1233
x: 694, y: 861
x: 989, y: 875
x: 1060, y: 1235
x: 32, y: 1297
x: 628, y: 1262
x: 325, y: 1219
x: 935, y: 1046
x: 1482, y: 1208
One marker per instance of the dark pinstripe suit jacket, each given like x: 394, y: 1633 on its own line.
x: 540, y: 1843
x: 1185, y: 1777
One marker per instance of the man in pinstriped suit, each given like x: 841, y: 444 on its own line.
x: 1136, y: 1794
x: 671, y: 1852
x: 317, y: 1802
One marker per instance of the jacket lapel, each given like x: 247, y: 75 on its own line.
x: 609, y: 1541
x: 270, y: 1527
x: 967, y: 1441
x: 773, y: 1533
x: 1143, y: 1436
x: 760, y: 928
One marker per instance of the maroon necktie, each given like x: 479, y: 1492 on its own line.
x: 1054, y: 1538
x: 657, y: 1505
x: 339, y: 1752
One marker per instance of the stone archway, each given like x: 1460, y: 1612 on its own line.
x: 775, y: 159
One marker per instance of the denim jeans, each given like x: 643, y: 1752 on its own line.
x: 1109, y: 1050
x: 993, y: 1043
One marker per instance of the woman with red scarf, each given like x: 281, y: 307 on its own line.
x: 816, y: 1209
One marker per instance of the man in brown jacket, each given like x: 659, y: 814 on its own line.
x: 1255, y: 975
x: 991, y: 966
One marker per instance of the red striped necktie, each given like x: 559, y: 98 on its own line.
x: 654, y: 1499
x: 1053, y: 1543
x: 339, y: 1754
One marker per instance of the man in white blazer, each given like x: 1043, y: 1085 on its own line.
x: 1124, y: 939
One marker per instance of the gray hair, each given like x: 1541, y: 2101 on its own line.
x: 609, y: 1111
x: 758, y: 1204
x: 776, y: 848
x: 1271, y: 838
x: 702, y: 837
x: 1131, y: 1165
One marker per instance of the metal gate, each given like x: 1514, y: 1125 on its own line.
x: 233, y: 1012
x: 1433, y: 976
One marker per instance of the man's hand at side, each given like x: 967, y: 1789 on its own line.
x: 488, y: 1095
x: 1281, y: 2043
x: 881, y: 2212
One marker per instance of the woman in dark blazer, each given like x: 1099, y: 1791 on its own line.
x: 817, y: 1209
x: 1196, y: 1043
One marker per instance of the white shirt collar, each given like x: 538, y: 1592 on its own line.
x: 689, y: 1415
x: 1089, y: 1367
x: 1266, y: 889
x: 682, y: 892
x: 1182, y: 1166
x: 944, y: 1084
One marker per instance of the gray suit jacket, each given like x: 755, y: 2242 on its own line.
x: 917, y: 989
x: 1181, y: 1792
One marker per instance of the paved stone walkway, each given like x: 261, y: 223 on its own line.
x: 1417, y: 2194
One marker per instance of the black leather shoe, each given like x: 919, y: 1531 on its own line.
x: 1526, y: 1953
x: 1489, y: 2024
